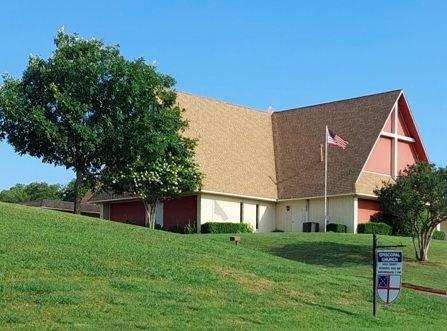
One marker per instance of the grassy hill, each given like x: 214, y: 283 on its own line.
x: 64, y: 271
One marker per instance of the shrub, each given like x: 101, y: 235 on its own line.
x: 215, y: 227
x: 398, y: 228
x: 175, y: 229
x: 439, y: 235
x: 377, y: 228
x: 336, y: 227
x: 190, y: 229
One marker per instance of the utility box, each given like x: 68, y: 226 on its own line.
x: 311, y: 227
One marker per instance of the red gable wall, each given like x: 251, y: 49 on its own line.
x: 401, y: 126
x: 389, y: 125
x: 381, y: 158
x: 405, y: 155
x: 409, y: 150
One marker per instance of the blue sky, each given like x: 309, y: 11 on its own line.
x: 253, y: 53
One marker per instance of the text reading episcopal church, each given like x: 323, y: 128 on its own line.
x: 266, y: 168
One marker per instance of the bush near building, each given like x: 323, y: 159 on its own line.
x: 215, y: 227
x: 336, y: 227
x: 375, y: 228
x: 439, y: 235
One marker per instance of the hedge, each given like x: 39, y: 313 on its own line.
x: 377, y: 228
x: 439, y: 235
x: 215, y: 227
x: 336, y: 227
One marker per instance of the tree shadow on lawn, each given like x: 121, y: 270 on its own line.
x: 327, y: 254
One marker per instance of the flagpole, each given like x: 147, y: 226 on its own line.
x: 325, y: 179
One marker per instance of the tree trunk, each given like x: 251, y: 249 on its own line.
x: 423, y: 254
x: 149, y: 220
x: 416, y: 247
x: 424, y: 241
x: 77, y: 193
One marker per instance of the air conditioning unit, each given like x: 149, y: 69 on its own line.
x: 311, y: 227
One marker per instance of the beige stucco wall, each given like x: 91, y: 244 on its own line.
x: 340, y: 210
x: 104, y: 211
x: 219, y: 208
x: 292, y: 219
x: 443, y: 227
x: 368, y: 182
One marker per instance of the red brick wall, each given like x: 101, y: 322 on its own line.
x: 128, y: 212
x: 366, y: 209
x: 180, y: 212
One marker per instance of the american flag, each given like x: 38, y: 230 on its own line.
x: 336, y: 140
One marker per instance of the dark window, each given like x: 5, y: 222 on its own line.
x: 241, y: 212
x: 257, y: 216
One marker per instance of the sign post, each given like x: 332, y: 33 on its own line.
x: 374, y: 275
x: 387, y: 272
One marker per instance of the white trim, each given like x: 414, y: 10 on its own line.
x: 114, y: 200
x: 367, y: 196
x: 394, y: 159
x: 307, y: 210
x: 356, y: 214
x: 404, y: 124
x: 376, y: 173
x: 378, y: 137
x: 398, y: 136
x: 133, y: 198
x: 415, y: 126
x: 238, y: 195
x: 199, y: 213
x: 317, y: 197
x: 325, y: 178
x: 406, y: 139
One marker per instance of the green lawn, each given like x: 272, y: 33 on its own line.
x: 63, y: 271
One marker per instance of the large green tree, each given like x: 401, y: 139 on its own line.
x: 59, y: 108
x: 34, y: 191
x: 417, y: 201
x: 67, y: 192
x: 15, y: 194
x: 147, y: 155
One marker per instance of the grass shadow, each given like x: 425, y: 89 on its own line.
x: 326, y: 254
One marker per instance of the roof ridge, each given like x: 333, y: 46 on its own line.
x: 340, y: 100
x: 222, y: 101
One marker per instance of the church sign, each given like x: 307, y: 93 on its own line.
x: 388, y: 274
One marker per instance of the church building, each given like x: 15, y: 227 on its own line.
x: 267, y: 168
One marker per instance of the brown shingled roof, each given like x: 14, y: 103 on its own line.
x: 235, y: 146
x: 247, y: 152
x: 86, y: 208
x: 234, y: 149
x: 299, y: 132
